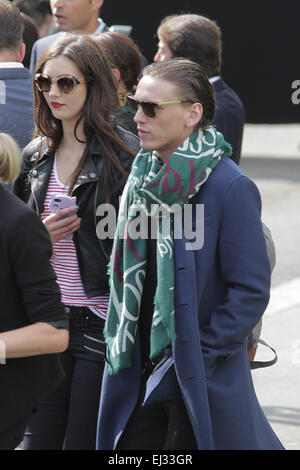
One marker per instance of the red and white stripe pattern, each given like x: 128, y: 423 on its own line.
x: 65, y: 263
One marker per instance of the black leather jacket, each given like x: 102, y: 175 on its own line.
x: 93, y: 254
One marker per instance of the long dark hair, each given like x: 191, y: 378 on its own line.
x: 100, y: 101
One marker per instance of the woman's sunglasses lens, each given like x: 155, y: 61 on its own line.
x: 65, y: 84
x: 43, y: 83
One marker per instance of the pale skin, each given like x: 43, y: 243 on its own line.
x: 70, y: 150
x: 163, y: 51
x: 121, y: 88
x: 11, y: 55
x: 78, y: 16
x: 172, y: 123
x: 32, y: 340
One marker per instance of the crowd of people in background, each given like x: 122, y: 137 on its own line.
x: 125, y: 342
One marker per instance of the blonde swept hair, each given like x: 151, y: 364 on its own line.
x: 9, y: 158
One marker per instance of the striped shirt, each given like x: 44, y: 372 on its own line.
x: 65, y: 263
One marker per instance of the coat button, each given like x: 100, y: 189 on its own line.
x: 34, y: 173
x: 93, y: 175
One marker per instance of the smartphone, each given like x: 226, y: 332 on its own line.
x: 59, y: 202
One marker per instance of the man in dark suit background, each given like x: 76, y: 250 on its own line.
x: 198, y: 38
x: 79, y: 16
x: 16, y: 94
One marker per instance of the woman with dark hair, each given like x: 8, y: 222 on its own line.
x: 77, y: 153
x: 126, y: 61
x: 176, y: 331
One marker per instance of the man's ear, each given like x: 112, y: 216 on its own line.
x: 97, y: 3
x: 21, y: 53
x: 116, y: 74
x: 194, y: 115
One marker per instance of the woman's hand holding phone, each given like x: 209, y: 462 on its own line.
x: 62, y: 224
x: 64, y: 220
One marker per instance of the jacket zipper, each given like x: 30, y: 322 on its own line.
x: 95, y: 220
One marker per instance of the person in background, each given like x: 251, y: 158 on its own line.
x: 39, y: 11
x: 76, y: 16
x: 33, y: 322
x: 126, y: 61
x: 198, y: 38
x: 30, y: 35
x: 16, y: 94
x: 77, y: 152
x: 178, y: 375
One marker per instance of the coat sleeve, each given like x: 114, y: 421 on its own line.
x: 245, y: 269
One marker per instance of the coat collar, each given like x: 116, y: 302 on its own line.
x: 219, y: 84
x: 40, y: 173
x: 89, y: 172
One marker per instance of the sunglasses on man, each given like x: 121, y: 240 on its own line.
x: 149, y: 108
x: 65, y: 84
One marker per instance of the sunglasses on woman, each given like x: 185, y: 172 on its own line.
x: 65, y: 84
x: 149, y: 108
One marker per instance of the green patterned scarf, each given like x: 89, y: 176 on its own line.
x: 152, y: 186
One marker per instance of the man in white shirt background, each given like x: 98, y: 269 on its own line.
x: 76, y: 16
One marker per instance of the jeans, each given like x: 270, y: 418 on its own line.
x: 67, y: 419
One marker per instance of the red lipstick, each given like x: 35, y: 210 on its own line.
x: 56, y: 105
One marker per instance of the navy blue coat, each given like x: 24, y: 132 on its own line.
x: 16, y: 98
x: 229, y: 117
x: 221, y: 292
